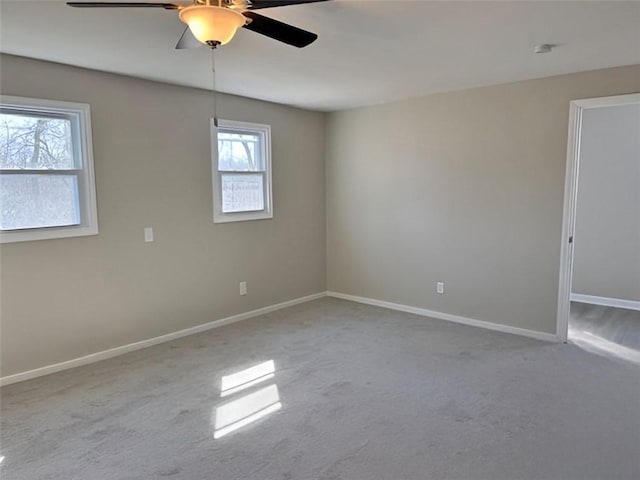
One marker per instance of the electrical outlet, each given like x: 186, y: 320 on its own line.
x: 148, y: 234
x: 243, y: 288
x: 440, y: 288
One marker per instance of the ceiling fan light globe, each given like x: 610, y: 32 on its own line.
x: 211, y: 24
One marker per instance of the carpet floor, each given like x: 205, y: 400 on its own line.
x: 330, y: 390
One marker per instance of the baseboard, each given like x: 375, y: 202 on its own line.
x: 548, y: 337
x: 605, y: 301
x: 114, y: 352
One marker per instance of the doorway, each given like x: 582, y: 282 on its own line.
x: 599, y: 288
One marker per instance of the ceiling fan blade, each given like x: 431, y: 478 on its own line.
x: 166, y: 6
x: 187, y: 40
x: 256, y: 4
x: 279, y: 31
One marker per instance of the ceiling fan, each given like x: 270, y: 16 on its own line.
x: 215, y: 22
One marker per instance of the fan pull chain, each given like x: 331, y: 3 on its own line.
x: 213, y: 77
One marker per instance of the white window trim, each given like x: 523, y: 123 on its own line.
x: 89, y: 210
x: 218, y: 215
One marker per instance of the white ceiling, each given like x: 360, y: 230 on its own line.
x: 368, y: 51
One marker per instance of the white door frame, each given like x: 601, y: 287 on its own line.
x: 577, y: 107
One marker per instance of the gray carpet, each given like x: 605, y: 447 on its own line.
x: 365, y: 393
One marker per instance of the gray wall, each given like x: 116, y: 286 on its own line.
x: 65, y: 298
x: 606, y: 260
x: 464, y: 187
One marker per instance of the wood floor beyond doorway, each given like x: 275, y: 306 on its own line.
x: 608, y: 331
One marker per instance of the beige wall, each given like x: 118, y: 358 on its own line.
x: 606, y: 259
x: 65, y: 298
x: 464, y: 187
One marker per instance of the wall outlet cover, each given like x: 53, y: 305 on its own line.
x: 148, y: 234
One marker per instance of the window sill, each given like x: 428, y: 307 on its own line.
x: 241, y: 217
x: 29, y: 235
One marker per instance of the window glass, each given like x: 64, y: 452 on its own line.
x: 35, y: 142
x: 242, y: 193
x: 239, y: 152
x: 33, y: 201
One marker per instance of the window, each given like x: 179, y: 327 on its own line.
x: 47, y: 189
x: 241, y: 171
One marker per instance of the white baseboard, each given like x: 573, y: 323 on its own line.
x: 548, y: 337
x: 605, y: 301
x: 113, y: 352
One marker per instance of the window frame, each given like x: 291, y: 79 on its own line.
x: 87, y: 201
x: 265, y: 132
